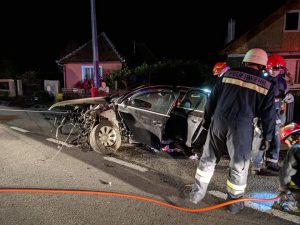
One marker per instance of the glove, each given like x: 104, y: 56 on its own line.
x: 289, y: 98
x: 264, y: 146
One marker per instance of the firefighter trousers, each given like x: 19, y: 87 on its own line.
x: 225, y: 134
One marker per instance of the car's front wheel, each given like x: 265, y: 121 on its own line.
x: 105, y: 137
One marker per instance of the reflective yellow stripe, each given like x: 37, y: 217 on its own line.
x: 203, y: 179
x: 203, y: 176
x: 236, y: 187
x: 293, y: 185
x: 244, y: 84
x: 204, y: 173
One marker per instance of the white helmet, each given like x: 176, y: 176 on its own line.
x: 257, y: 56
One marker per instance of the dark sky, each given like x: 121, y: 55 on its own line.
x: 35, y: 33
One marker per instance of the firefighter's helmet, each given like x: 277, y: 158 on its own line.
x: 220, y: 68
x: 288, y: 130
x: 276, y: 65
x: 257, y: 56
x: 276, y: 61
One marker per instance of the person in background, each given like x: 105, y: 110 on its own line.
x: 289, y: 174
x: 103, y: 90
x: 239, y: 96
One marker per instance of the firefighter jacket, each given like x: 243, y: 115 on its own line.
x: 240, y: 95
x: 280, y: 90
x: 289, y: 175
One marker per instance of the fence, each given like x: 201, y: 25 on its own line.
x: 73, y: 93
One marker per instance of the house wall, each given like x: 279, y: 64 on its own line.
x: 291, y: 64
x: 73, y: 71
x: 271, y: 37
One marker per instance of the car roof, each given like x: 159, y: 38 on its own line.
x: 170, y: 87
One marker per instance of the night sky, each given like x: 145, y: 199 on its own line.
x: 36, y: 33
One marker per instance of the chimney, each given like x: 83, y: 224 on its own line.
x: 230, y: 31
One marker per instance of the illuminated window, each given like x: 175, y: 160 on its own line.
x: 291, y: 22
x: 87, y: 72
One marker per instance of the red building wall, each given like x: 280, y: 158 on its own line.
x: 72, y: 71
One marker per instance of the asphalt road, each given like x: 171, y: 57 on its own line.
x: 29, y: 160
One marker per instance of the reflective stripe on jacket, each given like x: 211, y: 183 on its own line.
x: 242, y: 94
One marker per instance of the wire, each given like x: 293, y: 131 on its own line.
x: 142, y: 198
x: 65, y: 142
x: 34, y: 111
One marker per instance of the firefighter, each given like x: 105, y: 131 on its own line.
x: 220, y: 68
x: 276, y: 67
x: 289, y: 174
x: 239, y: 96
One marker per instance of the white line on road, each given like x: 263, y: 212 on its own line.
x: 130, y: 165
x: 269, y: 210
x: 59, y: 142
x: 20, y: 129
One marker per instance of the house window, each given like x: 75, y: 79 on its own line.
x: 291, y: 22
x: 88, y: 72
x: 297, y: 75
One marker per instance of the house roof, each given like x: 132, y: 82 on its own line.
x: 240, y: 46
x: 84, y: 53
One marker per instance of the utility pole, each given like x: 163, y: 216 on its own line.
x: 97, y: 77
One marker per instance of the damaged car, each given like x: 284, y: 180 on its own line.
x: 150, y: 115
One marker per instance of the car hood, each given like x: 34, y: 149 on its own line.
x: 81, y: 101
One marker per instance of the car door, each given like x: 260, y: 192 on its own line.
x: 146, y: 112
x: 193, y: 103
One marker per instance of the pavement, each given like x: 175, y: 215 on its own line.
x: 173, y: 171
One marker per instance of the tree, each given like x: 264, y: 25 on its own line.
x: 179, y: 72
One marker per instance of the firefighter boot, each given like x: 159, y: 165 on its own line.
x: 255, y: 171
x: 235, y: 207
x: 273, y: 166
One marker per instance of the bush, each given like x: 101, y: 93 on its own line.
x: 44, y: 96
x: 3, y: 95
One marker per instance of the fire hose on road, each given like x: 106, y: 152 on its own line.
x: 141, y: 198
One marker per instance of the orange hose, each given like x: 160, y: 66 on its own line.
x: 86, y: 192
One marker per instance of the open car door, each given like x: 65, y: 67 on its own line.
x: 145, y: 114
x: 193, y: 104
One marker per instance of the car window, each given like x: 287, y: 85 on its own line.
x: 157, y: 101
x: 194, y: 100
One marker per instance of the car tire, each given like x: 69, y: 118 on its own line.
x: 105, y: 137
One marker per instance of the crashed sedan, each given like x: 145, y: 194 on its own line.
x: 150, y: 115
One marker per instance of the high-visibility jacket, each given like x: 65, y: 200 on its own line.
x: 242, y: 94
